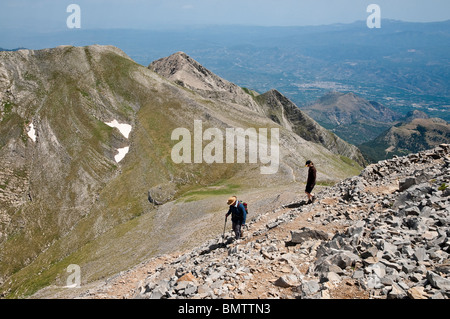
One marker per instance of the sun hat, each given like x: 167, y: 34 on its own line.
x: 231, y: 200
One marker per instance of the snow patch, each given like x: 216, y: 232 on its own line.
x: 32, y: 132
x: 125, y: 129
x: 122, y: 152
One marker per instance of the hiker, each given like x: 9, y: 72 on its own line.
x: 238, y: 215
x: 311, y: 182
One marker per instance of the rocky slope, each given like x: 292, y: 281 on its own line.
x: 382, y: 234
x: 187, y: 72
x: 85, y: 156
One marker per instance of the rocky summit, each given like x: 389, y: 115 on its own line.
x: 380, y: 235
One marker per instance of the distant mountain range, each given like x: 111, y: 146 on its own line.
x: 1, y: 49
x: 416, y: 132
x: 402, y: 65
x: 378, y: 131
x: 351, y: 117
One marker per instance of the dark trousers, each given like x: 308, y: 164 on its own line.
x: 237, y: 228
x: 309, y: 188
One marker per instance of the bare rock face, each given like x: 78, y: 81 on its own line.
x: 5, y: 83
x: 185, y: 71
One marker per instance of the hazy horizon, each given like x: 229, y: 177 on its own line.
x: 204, y: 26
x: 51, y: 15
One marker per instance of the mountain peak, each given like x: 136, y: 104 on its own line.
x: 415, y: 114
x: 181, y: 57
x: 352, y: 107
x: 351, y: 116
x: 185, y: 71
x: 181, y: 54
x: 334, y: 97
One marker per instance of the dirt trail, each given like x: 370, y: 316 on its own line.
x: 261, y: 284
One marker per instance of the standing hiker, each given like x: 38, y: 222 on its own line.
x: 311, y: 182
x: 238, y: 215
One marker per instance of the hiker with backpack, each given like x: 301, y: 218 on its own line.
x: 238, y: 215
x: 311, y: 182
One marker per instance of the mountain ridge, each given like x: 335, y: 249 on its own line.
x: 416, y: 132
x: 180, y: 68
x: 350, y: 116
x: 65, y: 197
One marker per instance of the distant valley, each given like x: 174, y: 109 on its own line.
x: 403, y: 65
x: 378, y: 131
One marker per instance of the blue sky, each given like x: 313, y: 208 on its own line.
x: 45, y: 15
